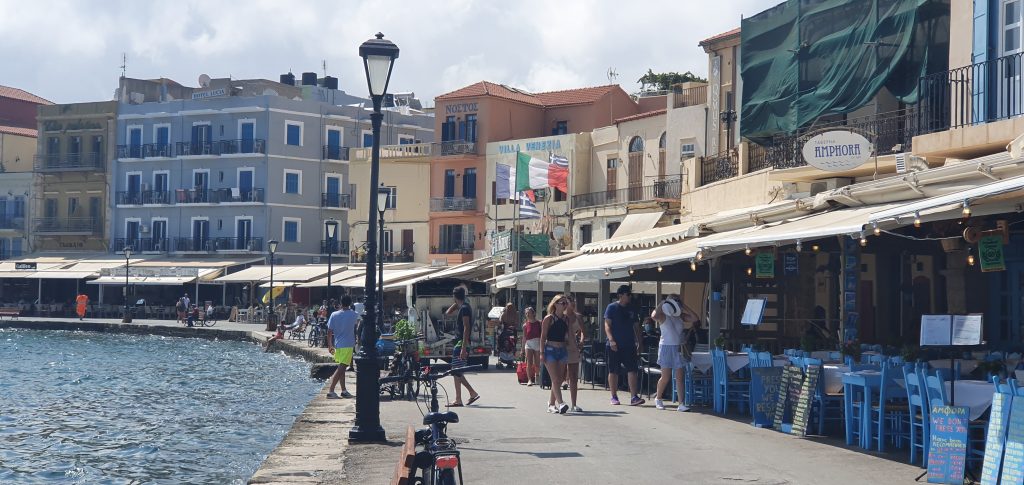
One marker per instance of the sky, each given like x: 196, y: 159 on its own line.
x: 70, y: 51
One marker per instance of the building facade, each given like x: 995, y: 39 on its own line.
x: 18, y: 138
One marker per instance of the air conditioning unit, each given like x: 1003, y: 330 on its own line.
x: 315, y: 259
x: 829, y: 184
x: 901, y: 163
x: 143, y: 228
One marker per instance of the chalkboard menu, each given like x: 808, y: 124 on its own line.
x: 1013, y: 456
x: 947, y: 451
x: 802, y: 405
x: 1000, y: 412
x: 764, y: 394
x: 790, y: 374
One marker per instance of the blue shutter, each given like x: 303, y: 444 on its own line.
x: 16, y: 247
x: 291, y: 231
x: 979, y: 53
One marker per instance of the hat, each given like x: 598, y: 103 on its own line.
x: 624, y: 290
x: 671, y: 308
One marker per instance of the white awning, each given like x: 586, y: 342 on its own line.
x: 280, y: 284
x: 465, y: 270
x: 119, y: 280
x: 391, y: 277
x: 903, y: 214
x: 335, y: 278
x: 513, y: 280
x: 255, y: 273
x: 634, y: 223
x: 590, y: 267
x: 16, y: 274
x: 62, y: 275
x: 293, y: 273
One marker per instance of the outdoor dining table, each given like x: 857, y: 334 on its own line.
x: 966, y: 366
x: 832, y: 375
x: 1019, y: 374
x: 702, y: 361
x: 867, y: 382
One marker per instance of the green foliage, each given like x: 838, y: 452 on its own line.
x: 720, y: 342
x: 404, y: 330
x: 663, y: 81
x: 852, y: 349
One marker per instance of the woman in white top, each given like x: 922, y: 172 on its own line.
x: 672, y: 316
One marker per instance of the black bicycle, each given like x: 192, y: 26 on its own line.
x: 403, y: 366
x: 318, y: 334
x: 439, y: 460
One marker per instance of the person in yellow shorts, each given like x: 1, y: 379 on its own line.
x: 341, y: 340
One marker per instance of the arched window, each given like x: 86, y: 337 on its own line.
x: 661, y: 141
x: 661, y: 156
x: 636, y: 144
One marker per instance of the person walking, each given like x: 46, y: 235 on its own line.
x: 623, y: 333
x: 554, y: 333
x: 461, y: 351
x: 574, y: 345
x: 341, y: 342
x: 671, y: 315
x: 531, y: 346
x: 81, y: 304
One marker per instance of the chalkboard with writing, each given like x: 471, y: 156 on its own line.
x: 1013, y: 456
x: 789, y: 374
x: 947, y: 451
x: 764, y: 394
x: 802, y: 405
x: 996, y: 438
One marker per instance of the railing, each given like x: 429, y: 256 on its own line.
x: 409, y: 150
x: 337, y: 201
x: 157, y: 150
x: 340, y: 247
x: 234, y: 147
x: 55, y: 162
x: 335, y: 153
x: 193, y: 245
x: 446, y: 249
x: 252, y: 244
x: 142, y: 245
x: 143, y: 197
x: 718, y: 167
x: 17, y: 222
x: 891, y: 132
x: 217, y: 196
x: 693, y: 96
x: 668, y: 188
x: 129, y: 151
x: 979, y: 93
x: 389, y: 257
x: 457, y: 147
x: 447, y: 204
x: 85, y: 225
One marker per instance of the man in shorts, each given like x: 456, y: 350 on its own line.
x: 623, y: 332
x: 341, y: 342
x: 461, y: 351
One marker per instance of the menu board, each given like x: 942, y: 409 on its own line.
x: 754, y: 311
x: 966, y: 330
x: 789, y: 374
x: 996, y: 438
x: 947, y: 450
x: 936, y: 329
x: 764, y: 393
x: 1013, y: 456
x: 802, y: 406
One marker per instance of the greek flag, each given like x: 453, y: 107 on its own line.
x: 527, y: 209
x: 559, y: 160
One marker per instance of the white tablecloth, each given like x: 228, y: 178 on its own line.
x: 735, y: 361
x: 833, y: 375
x: 976, y: 395
x: 966, y: 366
x: 1019, y: 374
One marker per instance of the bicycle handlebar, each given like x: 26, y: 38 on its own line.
x: 391, y: 379
x: 434, y: 377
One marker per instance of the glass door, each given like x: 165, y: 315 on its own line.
x: 333, y: 145
x: 135, y: 143
x: 131, y: 234
x: 134, y: 187
x: 245, y: 185
x: 248, y: 135
x: 200, y: 234
x: 1009, y: 94
x: 159, y: 233
x: 333, y: 192
x: 243, y: 233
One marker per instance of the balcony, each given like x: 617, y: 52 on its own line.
x: 668, y: 188
x: 891, y: 132
x: 451, y: 249
x: 142, y: 245
x: 723, y: 166
x: 250, y: 244
x: 145, y: 197
x: 391, y: 152
x: 457, y: 147
x: 340, y: 248
x: 336, y: 201
x: 67, y: 225
x: 450, y: 204
x: 192, y: 245
x: 69, y: 162
x: 217, y: 196
x: 16, y: 223
x: 692, y: 96
x: 335, y: 153
x: 389, y: 257
x: 222, y: 147
x: 979, y: 93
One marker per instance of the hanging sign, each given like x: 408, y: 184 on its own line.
x: 791, y: 264
x: 764, y: 265
x: 990, y: 251
x: 837, y: 151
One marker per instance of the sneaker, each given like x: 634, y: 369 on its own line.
x: 576, y: 409
x: 345, y: 394
x: 683, y: 408
x: 562, y: 408
x: 552, y: 409
x: 636, y: 401
x: 332, y: 395
x: 615, y: 400
x: 565, y: 387
x: 658, y: 403
x: 529, y: 385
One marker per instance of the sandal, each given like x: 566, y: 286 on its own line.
x: 455, y: 405
x: 473, y: 399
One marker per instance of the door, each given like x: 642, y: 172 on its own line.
x: 135, y: 143
x: 159, y: 234
x: 160, y: 188
x: 248, y: 136
x: 95, y: 210
x: 200, y: 234
x: 333, y: 145
x: 201, y: 138
x: 243, y: 233
x: 75, y: 149
x: 387, y: 244
x: 200, y: 184
x: 449, y: 183
x: 333, y: 192
x: 131, y: 234
x: 134, y: 189
x: 611, y: 178
x: 407, y: 242
x: 1010, y: 87
x: 163, y: 142
x: 367, y: 140
x: 245, y: 185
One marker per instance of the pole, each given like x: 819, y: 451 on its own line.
x: 270, y: 311
x: 367, y: 426
x: 330, y: 253
x: 380, y: 267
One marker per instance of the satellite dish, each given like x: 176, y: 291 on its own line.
x: 559, y: 232
x: 269, y: 92
x: 204, y: 81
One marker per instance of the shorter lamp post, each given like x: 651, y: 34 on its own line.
x: 127, y: 264
x: 382, y: 201
x: 331, y: 226
x: 271, y: 321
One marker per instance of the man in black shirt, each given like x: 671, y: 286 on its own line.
x: 461, y: 351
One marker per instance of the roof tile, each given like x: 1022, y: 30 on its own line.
x: 22, y: 95
x: 16, y: 130
x: 640, y: 116
x: 719, y: 36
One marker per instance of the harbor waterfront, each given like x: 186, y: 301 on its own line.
x: 89, y: 407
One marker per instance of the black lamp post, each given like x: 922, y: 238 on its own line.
x: 378, y: 59
x: 127, y: 262
x: 271, y: 321
x: 331, y: 226
x: 382, y: 203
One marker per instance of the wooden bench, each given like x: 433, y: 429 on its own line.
x: 404, y: 471
x: 13, y: 312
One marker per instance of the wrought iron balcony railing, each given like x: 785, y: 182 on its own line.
x: 668, y: 188
x: 12, y: 222
x: 56, y: 162
x: 142, y: 245
x: 457, y: 147
x: 408, y: 150
x: 336, y: 201
x: 719, y: 167
x: 144, y: 197
x: 448, y: 204
x: 389, y: 257
x: 192, y: 245
x: 335, y: 153
x: 218, y: 196
x: 982, y: 92
x: 340, y: 247
x: 75, y: 225
x: 252, y: 244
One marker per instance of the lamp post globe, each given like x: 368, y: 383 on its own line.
x: 379, y: 57
x: 331, y: 229
x: 271, y: 321
x: 127, y: 264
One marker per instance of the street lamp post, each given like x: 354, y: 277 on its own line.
x: 332, y: 233
x: 271, y: 321
x: 378, y: 59
x: 382, y: 204
x: 127, y: 263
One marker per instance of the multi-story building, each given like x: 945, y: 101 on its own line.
x: 18, y: 135
x: 73, y: 177
x: 226, y: 167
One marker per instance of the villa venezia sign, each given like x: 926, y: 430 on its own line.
x: 837, y: 151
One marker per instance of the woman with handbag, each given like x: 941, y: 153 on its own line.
x: 673, y: 318
x: 531, y: 345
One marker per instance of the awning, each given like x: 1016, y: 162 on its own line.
x: 118, y: 280
x: 391, y: 277
x: 477, y: 269
x: 16, y: 274
x: 903, y: 214
x: 513, y: 280
x: 335, y: 278
x: 205, y: 275
x: 255, y: 273
x: 590, y: 267
x: 302, y: 274
x: 634, y: 223
x: 62, y: 275
x: 280, y: 284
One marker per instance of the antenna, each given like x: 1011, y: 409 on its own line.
x: 323, y: 63
x: 612, y: 75
x: 124, y: 64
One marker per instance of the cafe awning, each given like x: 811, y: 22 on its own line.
x: 590, y: 267
x: 391, y: 277
x: 478, y: 269
x: 335, y: 278
x: 62, y: 275
x: 634, y: 223
x: 903, y: 214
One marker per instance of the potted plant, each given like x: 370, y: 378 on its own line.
x: 909, y: 353
x: 720, y: 342
x: 406, y: 334
x: 852, y: 349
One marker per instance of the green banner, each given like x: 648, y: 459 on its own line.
x: 990, y: 252
x: 764, y: 265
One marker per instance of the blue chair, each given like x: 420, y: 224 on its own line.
x: 727, y: 390
x: 760, y: 359
x: 888, y: 415
x: 935, y: 387
x: 835, y: 356
x: 918, y: 413
x: 874, y: 359
x: 698, y: 387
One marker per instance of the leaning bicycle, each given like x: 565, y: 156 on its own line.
x: 318, y: 334
x: 439, y: 460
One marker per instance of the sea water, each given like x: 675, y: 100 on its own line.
x: 81, y: 407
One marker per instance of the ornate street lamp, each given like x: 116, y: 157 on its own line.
x: 378, y: 59
x: 331, y: 226
x: 127, y: 262
x: 271, y: 321
x: 382, y: 203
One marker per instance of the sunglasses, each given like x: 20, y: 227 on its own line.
x: 561, y: 302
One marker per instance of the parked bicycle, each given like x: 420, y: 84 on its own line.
x: 439, y: 459
x: 404, y: 365
x: 318, y: 334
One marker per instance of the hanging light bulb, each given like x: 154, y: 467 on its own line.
x: 815, y: 248
x: 606, y: 272
x: 631, y: 271
x: 660, y: 268
x: 799, y: 246
x: 878, y: 231
x: 747, y: 251
x: 917, y: 219
x: 700, y: 254
x: 693, y: 265
x: 967, y: 209
x: 750, y: 271
x: 863, y: 240
x: 970, y: 257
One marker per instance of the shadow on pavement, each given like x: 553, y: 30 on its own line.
x: 561, y: 454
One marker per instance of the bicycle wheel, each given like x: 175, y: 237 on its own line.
x: 313, y: 337
x: 445, y: 477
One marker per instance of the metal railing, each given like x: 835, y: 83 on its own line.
x: 337, y: 201
x: 683, y: 97
x: 16, y: 222
x: 157, y: 150
x: 252, y: 244
x: 217, y: 196
x: 408, y: 150
x: 457, y: 147
x: 451, y: 249
x: 340, y: 247
x: 890, y: 132
x: 144, y: 197
x: 389, y: 257
x: 667, y: 188
x: 221, y: 147
x: 55, y: 162
x: 192, y: 245
x: 979, y: 93
x: 129, y: 151
x: 718, y: 167
x: 142, y: 245
x: 447, y: 204
x: 83, y: 225
x: 335, y: 153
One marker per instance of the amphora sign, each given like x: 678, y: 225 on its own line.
x: 837, y: 151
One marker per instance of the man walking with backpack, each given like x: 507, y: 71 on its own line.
x: 623, y: 332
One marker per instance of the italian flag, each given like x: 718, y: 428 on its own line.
x: 534, y: 173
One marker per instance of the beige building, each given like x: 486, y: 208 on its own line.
x: 17, y: 147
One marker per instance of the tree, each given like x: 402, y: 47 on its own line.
x: 663, y: 81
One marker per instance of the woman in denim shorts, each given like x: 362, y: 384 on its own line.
x: 554, y: 335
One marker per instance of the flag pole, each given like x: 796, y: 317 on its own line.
x: 514, y: 235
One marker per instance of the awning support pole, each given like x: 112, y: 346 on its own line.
x: 39, y: 296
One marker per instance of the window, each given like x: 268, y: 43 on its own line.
x: 95, y: 207
x: 388, y: 245
x: 202, y: 139
x: 50, y: 208
x: 132, y: 230
x: 406, y: 140
x: 586, y: 234
x: 392, y: 202
x: 457, y: 238
x: 687, y: 150
x: 559, y: 195
x: 448, y: 132
x: 53, y: 146
x: 74, y: 147
x: 367, y: 138
x: 292, y: 182
x: 333, y: 144
x: 134, y: 142
x: 449, y: 183
x: 469, y: 133
x: 290, y: 229
x: 494, y: 195
x: 612, y: 174
x: 161, y: 182
x: 162, y: 138
x: 561, y: 128
x: 612, y: 227
x: 469, y: 183
x: 97, y: 145
x: 72, y: 206
x: 293, y: 133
